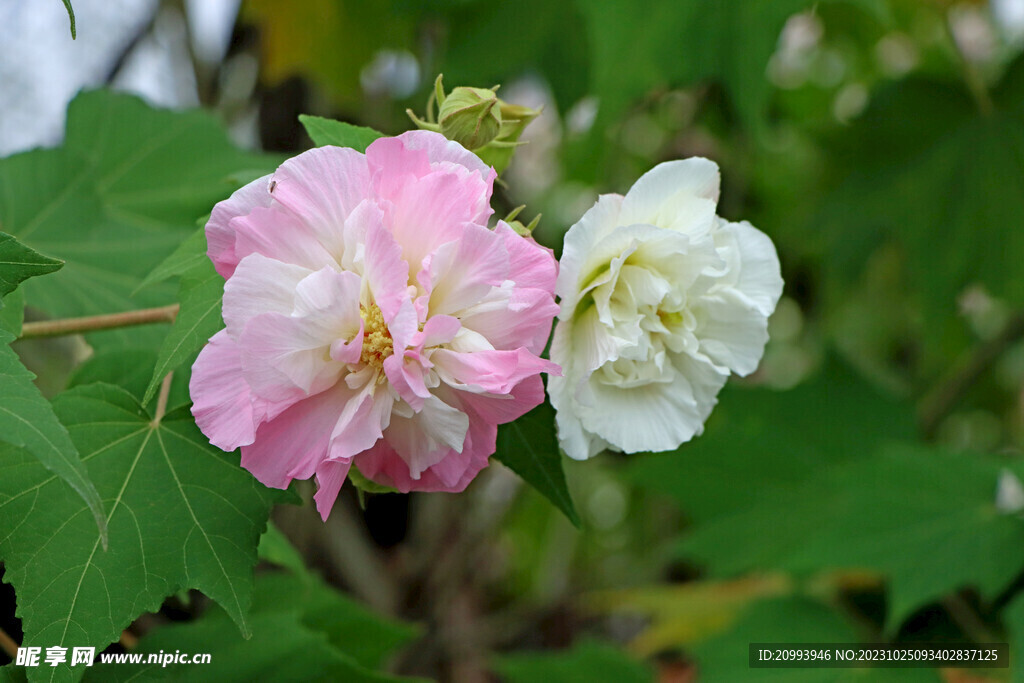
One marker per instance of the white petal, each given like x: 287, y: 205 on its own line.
x: 760, y: 279
x: 681, y: 195
x: 731, y: 332
x: 597, y: 223
x: 656, y: 417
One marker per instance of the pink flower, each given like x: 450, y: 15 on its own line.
x: 372, y: 319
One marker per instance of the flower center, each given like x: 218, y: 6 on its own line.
x: 377, y: 344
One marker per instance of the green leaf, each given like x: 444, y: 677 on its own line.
x: 529, y: 447
x: 120, y: 195
x: 12, y: 313
x: 682, y: 42
x: 302, y: 630
x: 18, y: 263
x: 197, y: 321
x: 789, y: 620
x: 759, y: 441
x: 924, y: 518
x: 329, y: 132
x: 275, y: 548
x: 71, y: 17
x: 27, y: 421
x: 130, y: 369
x: 586, y: 662
x: 190, y: 254
x: 181, y: 514
x: 927, y: 172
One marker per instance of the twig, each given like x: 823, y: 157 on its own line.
x: 941, y: 401
x: 8, y: 645
x: 57, y: 328
x: 161, y: 401
x: 969, y: 622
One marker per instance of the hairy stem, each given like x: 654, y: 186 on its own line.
x: 57, y: 328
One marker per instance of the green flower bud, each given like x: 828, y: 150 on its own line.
x: 470, y: 116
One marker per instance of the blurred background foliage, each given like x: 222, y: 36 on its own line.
x: 864, y: 484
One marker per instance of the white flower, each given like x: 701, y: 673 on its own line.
x: 661, y: 300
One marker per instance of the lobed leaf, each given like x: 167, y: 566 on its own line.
x: 27, y: 421
x: 180, y: 513
x: 115, y: 200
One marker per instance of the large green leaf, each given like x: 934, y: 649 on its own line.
x: 181, y: 514
x: 761, y: 440
x: 18, y: 263
x: 302, y: 630
x: 586, y: 662
x: 926, y: 519
x: 27, y: 421
x: 115, y: 199
x: 529, y: 447
x: 944, y: 184
x: 198, y: 320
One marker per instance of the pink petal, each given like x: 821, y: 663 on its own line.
x: 499, y: 409
x: 440, y: 149
x: 439, y: 329
x: 259, y: 285
x: 530, y: 265
x: 322, y: 186
x: 365, y: 414
x: 493, y: 372
x: 222, y: 404
x: 424, y: 213
x: 462, y: 272
x: 295, y: 442
x: 220, y: 236
x: 405, y: 372
x: 509, y: 320
x: 426, y: 437
x: 277, y: 233
x: 283, y: 357
x: 330, y: 475
x: 386, y: 272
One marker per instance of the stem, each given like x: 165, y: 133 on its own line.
x: 969, y: 622
x: 941, y: 401
x: 161, y: 401
x: 8, y: 645
x: 57, y: 328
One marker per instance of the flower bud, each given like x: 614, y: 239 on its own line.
x: 470, y: 116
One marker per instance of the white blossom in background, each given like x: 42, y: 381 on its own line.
x: 661, y: 300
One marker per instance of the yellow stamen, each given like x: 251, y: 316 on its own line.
x: 377, y: 344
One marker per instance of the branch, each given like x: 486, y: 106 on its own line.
x: 8, y: 645
x: 938, y: 404
x: 57, y: 328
